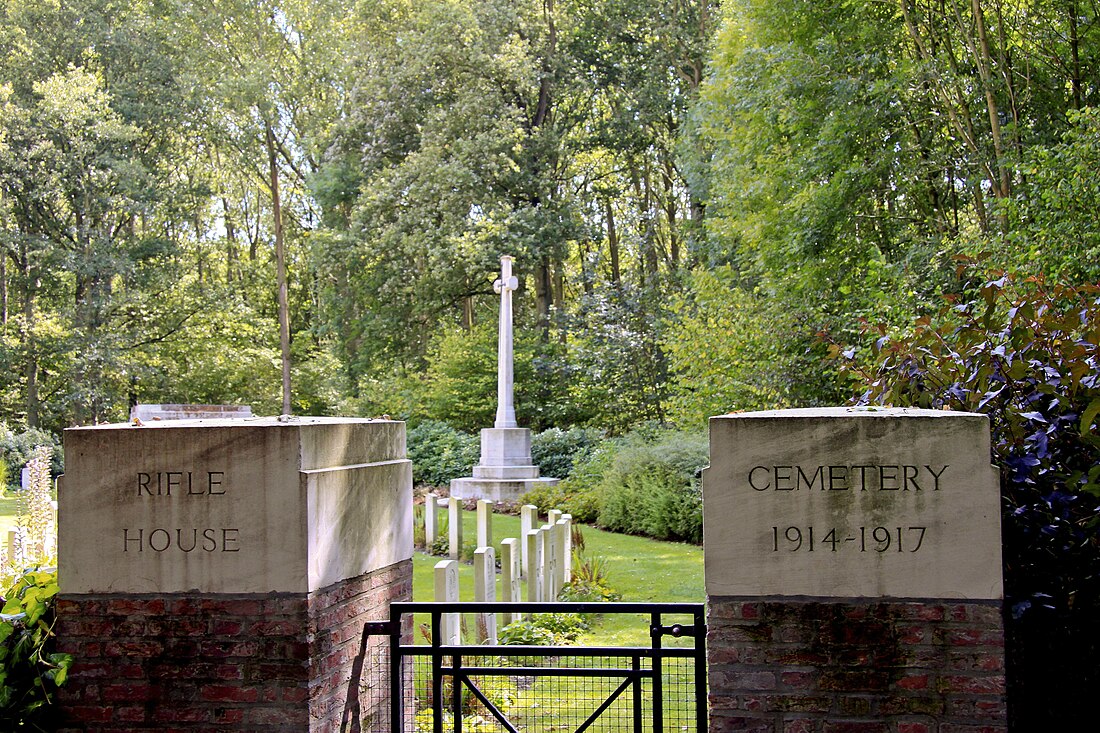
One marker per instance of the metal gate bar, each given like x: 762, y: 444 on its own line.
x: 461, y: 675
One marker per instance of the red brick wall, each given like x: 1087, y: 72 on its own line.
x: 206, y: 662
x: 876, y: 667
x: 342, y: 658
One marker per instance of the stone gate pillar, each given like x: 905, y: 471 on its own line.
x: 853, y: 572
x: 216, y: 574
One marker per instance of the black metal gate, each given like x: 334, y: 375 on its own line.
x: 436, y: 687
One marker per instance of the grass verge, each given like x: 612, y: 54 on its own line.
x: 641, y: 569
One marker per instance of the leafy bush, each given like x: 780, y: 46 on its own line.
x: 555, y: 450
x: 651, y: 487
x: 525, y: 633
x: 30, y: 671
x: 642, y: 483
x: 579, y: 494
x: 17, y: 449
x: 440, y: 453
x: 564, y: 626
x: 1028, y: 356
x: 544, y: 629
x: 583, y: 506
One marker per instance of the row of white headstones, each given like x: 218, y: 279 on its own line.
x: 543, y: 556
x: 20, y: 551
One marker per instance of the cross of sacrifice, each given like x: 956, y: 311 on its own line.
x: 506, y: 411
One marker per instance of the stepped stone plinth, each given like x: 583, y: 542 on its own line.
x: 506, y: 471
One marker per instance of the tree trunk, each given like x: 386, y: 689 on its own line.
x: 3, y: 289
x: 671, y: 213
x: 30, y: 364
x: 586, y: 276
x: 230, y: 242
x: 650, y: 257
x: 280, y: 267
x: 612, y: 243
x: 542, y: 112
x: 1075, y: 56
x: 1003, y: 186
x: 467, y: 314
x: 543, y: 296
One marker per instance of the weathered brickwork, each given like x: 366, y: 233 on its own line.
x: 205, y: 662
x: 342, y: 659
x: 875, y: 667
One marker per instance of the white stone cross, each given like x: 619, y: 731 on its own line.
x: 506, y: 411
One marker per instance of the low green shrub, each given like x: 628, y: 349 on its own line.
x: 555, y: 450
x: 651, y: 487
x: 544, y: 629
x: 440, y: 453
x: 583, y: 506
x: 525, y: 633
x: 579, y: 494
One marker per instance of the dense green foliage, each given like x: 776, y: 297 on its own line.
x: 690, y: 193
x: 17, y: 448
x: 556, y: 451
x: 646, y: 483
x: 30, y: 670
x: 440, y: 453
x: 652, y: 487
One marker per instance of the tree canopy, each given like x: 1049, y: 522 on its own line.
x: 692, y: 192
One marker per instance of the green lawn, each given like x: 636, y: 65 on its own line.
x: 642, y: 570
x: 9, y: 507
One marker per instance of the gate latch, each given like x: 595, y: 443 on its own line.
x: 675, y: 630
x: 378, y: 628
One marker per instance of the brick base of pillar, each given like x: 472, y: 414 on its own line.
x: 216, y: 662
x: 783, y: 666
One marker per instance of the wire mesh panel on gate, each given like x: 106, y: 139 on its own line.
x: 555, y: 689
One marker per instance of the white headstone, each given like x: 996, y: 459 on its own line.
x: 431, y: 520
x: 485, y: 589
x: 146, y: 413
x: 509, y: 575
x: 534, y: 542
x: 454, y: 527
x: 528, y: 519
x: 550, y: 564
x: 561, y: 530
x: 25, y: 478
x: 446, y: 591
x: 14, y: 554
x: 484, y: 523
x: 553, y: 516
x: 567, y: 558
